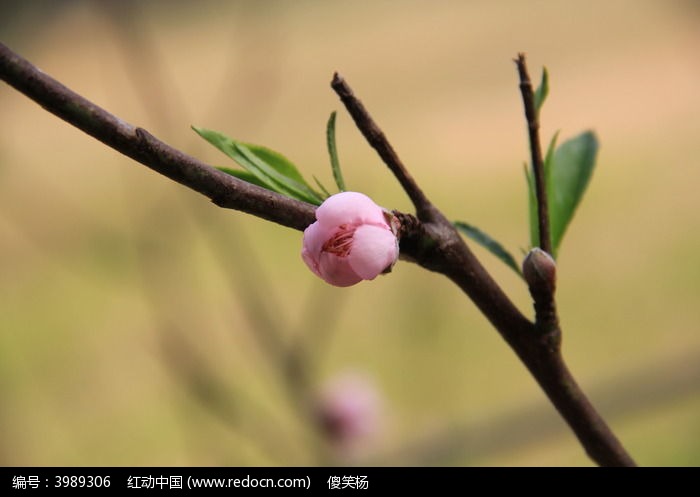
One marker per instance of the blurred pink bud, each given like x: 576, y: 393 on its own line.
x: 352, y: 240
x: 349, y: 410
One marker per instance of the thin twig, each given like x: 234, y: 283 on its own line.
x: 533, y: 128
x: 377, y: 140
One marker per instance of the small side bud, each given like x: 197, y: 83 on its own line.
x: 540, y: 272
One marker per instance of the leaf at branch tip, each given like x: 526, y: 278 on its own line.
x: 569, y: 174
x: 542, y: 91
x: 489, y: 244
x: 333, y: 152
x: 269, y: 168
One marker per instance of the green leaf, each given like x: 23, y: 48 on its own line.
x: 333, y: 152
x: 269, y: 168
x: 568, y: 175
x: 549, y: 157
x: 240, y: 174
x: 323, y: 189
x: 275, y: 160
x: 488, y: 243
x: 286, y: 185
x: 542, y: 91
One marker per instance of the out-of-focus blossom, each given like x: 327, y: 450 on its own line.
x: 352, y: 240
x: 349, y: 410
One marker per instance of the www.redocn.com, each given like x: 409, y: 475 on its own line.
x: 248, y: 482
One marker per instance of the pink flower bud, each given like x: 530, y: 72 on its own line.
x: 352, y: 240
x: 349, y: 410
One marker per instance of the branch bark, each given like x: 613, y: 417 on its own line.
x: 430, y: 239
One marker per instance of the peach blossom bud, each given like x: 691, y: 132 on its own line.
x: 349, y: 410
x: 352, y: 240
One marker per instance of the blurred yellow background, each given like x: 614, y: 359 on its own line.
x: 134, y: 315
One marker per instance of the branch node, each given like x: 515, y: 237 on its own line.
x: 540, y: 273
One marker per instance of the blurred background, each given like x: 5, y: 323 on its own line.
x: 141, y: 325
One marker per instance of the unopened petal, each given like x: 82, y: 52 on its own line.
x: 337, y: 270
x: 311, y: 261
x: 315, y: 235
x: 374, y: 249
x: 349, y: 208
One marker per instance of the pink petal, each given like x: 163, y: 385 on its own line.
x: 374, y: 249
x: 349, y: 208
x: 337, y: 270
x: 310, y: 261
x: 315, y: 235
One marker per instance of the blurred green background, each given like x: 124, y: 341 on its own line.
x: 139, y: 324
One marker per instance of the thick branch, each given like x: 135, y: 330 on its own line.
x: 533, y: 128
x: 224, y: 190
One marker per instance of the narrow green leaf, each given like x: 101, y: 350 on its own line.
x: 570, y: 171
x: 288, y: 185
x: 271, y: 169
x: 542, y: 91
x: 549, y: 157
x: 323, y: 189
x: 488, y: 243
x: 241, y: 174
x: 333, y: 152
x: 228, y: 147
x: 276, y: 160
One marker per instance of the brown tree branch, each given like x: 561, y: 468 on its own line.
x: 223, y: 189
x: 430, y: 240
x: 533, y: 128
x: 434, y: 243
